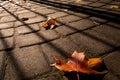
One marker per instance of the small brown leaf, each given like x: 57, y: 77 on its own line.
x: 49, y: 24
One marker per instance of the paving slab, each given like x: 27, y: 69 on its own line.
x: 81, y: 24
x: 27, y: 15
x: 89, y: 44
x: 7, y: 19
x: 4, y: 14
x: 92, y: 0
x: 62, y: 47
x: 34, y: 20
x: 13, y: 9
x: 53, y: 75
x: 28, y: 29
x: 96, y: 4
x: 116, y: 2
x: 22, y: 10
x: 109, y: 76
x: 36, y: 38
x: 107, y: 34
x: 50, y: 78
x: 82, y: 2
x: 111, y: 61
x: 26, y: 63
x: 37, y: 8
x: 57, y: 14
x: 6, y: 25
x: 81, y: 15
x: 68, y: 19
x: 6, y: 33
x: 115, y: 25
x: 103, y: 38
x: 2, y: 63
x: 65, y: 30
x: 98, y: 20
x: 45, y: 11
x: 105, y: 1
x: 1, y: 10
x: 6, y: 43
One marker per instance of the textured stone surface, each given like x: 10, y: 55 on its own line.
x: 112, y: 63
x: 110, y: 76
x: 67, y: 19
x: 45, y: 11
x: 36, y: 38
x: 53, y: 75
x: 2, y: 63
x: 22, y: 11
x: 29, y: 61
x: 49, y: 78
x: 4, y: 14
x: 106, y: 33
x: 81, y: 24
x: 57, y: 14
x: 37, y: 8
x: 7, y: 19
x: 113, y: 24
x: 13, y: 9
x: 90, y: 44
x: 28, y: 29
x: 6, y: 32
x: 63, y: 47
x: 83, y: 2
x: 97, y: 19
x: 6, y: 25
x: 34, y: 20
x: 65, y: 30
x: 27, y: 15
x: 105, y: 1
x: 6, y: 43
x: 115, y: 2
x: 96, y: 4
x: 81, y: 15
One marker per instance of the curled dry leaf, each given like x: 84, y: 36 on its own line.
x: 79, y: 63
x: 114, y: 7
x: 49, y: 24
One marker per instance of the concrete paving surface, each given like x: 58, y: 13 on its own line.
x: 26, y: 48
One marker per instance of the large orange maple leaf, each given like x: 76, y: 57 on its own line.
x: 79, y: 63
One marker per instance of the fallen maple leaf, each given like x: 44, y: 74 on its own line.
x: 49, y: 24
x: 79, y: 63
